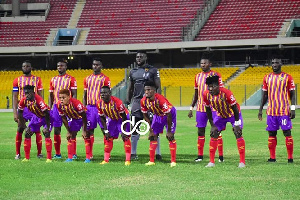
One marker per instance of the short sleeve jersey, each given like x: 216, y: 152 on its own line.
x: 21, y: 81
x: 278, y: 87
x: 159, y: 106
x: 58, y: 83
x: 113, y: 109
x: 37, y: 106
x: 200, y: 84
x: 221, y: 103
x: 138, y: 76
x: 72, y: 110
x: 92, y: 85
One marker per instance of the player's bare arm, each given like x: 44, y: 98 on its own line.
x: 15, y: 106
x: 21, y: 120
x: 194, y: 101
x: 74, y: 93
x: 65, y: 122
x: 262, y: 103
x: 214, y: 132
x: 51, y: 99
x: 293, y: 103
x: 40, y: 93
x: 84, y: 101
x: 169, y: 135
x: 84, y: 125
x: 129, y: 92
x: 237, y: 128
x: 158, y: 85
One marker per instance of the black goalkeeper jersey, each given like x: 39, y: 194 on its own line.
x: 138, y: 77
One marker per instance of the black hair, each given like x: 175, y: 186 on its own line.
x: 105, y: 87
x: 212, y: 80
x: 151, y: 84
x: 64, y: 60
x: 141, y: 51
x: 97, y: 59
x: 29, y: 87
x: 27, y: 61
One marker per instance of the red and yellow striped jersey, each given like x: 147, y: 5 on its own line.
x: 37, y: 106
x: 58, y: 83
x: 200, y: 80
x: 221, y: 103
x: 21, y: 81
x: 278, y: 87
x: 159, y: 106
x: 112, y: 109
x: 72, y: 110
x: 93, y: 84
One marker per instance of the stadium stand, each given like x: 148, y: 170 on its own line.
x: 178, y: 84
x: 116, y: 76
x: 249, y: 81
x: 239, y: 19
x: 36, y: 33
x: 131, y: 21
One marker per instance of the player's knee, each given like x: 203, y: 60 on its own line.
x: 215, y: 134
x: 287, y: 133
x: 47, y: 135
x: 238, y: 134
x: 21, y: 129
x: 201, y: 131
x: 57, y: 130
x: 272, y: 133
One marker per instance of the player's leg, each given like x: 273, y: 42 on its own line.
x: 92, y: 120
x: 27, y: 144
x: 39, y: 143
x: 19, y: 142
x: 112, y: 127
x: 134, y: 140
x: 239, y: 139
x: 126, y: 140
x: 157, y: 151
x: 48, y: 143
x: 286, y: 126
x: 87, y: 144
x: 74, y: 126
x: 220, y: 123
x: 272, y: 143
x: 272, y: 127
x: 172, y: 141
x: 57, y: 123
x: 27, y: 115
x: 35, y: 125
x: 289, y: 142
x: 201, y: 122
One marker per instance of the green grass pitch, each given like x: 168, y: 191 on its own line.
x: 188, y: 180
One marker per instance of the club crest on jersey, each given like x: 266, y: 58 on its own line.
x: 146, y: 69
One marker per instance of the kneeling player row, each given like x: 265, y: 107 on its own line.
x: 112, y: 113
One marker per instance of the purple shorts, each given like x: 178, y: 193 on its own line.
x: 114, y: 126
x: 93, y: 117
x: 56, y: 117
x: 75, y: 124
x: 274, y: 122
x: 221, y: 122
x: 36, y: 123
x: 159, y: 122
x: 201, y: 119
x: 27, y: 115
